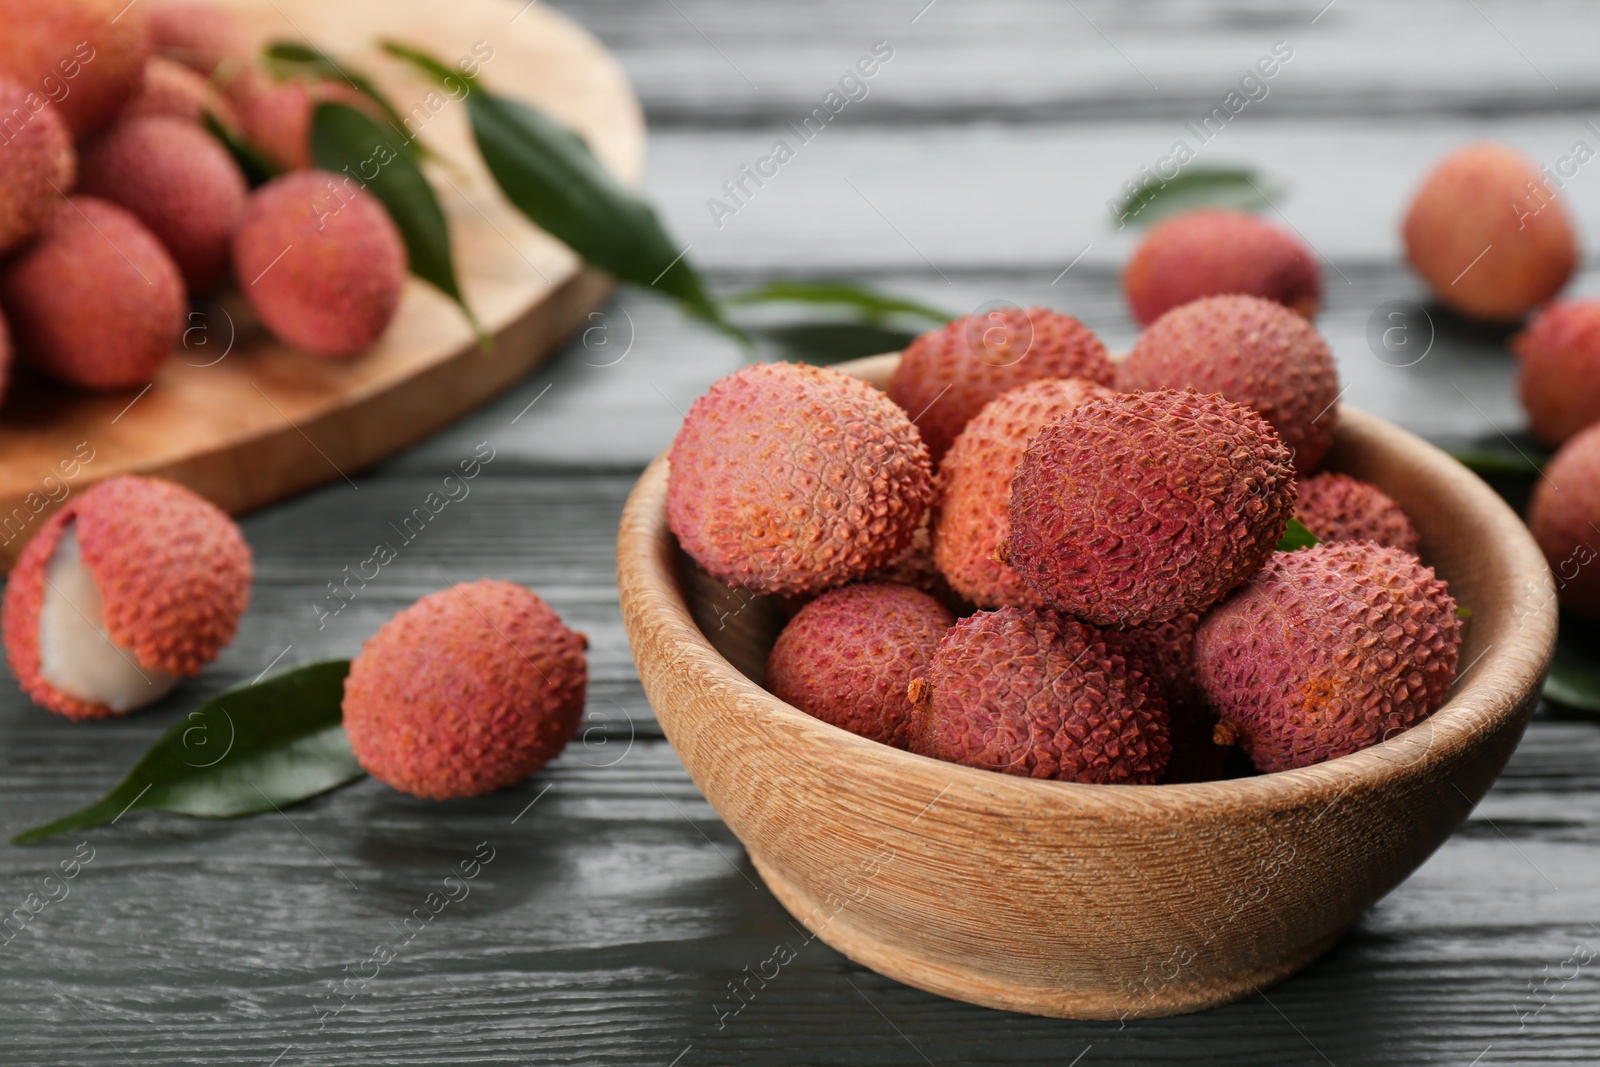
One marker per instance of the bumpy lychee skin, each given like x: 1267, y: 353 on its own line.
x: 1488, y: 235
x: 37, y: 163
x: 1326, y: 651
x: 180, y: 182
x: 972, y: 518
x: 200, y: 36
x: 1212, y: 253
x: 87, y: 56
x: 1337, y: 507
x: 1139, y: 507
x: 176, y: 91
x: 469, y: 690
x: 1033, y: 694
x: 173, y: 572
x: 789, y: 479
x: 946, y: 377
x: 96, y: 301
x: 1565, y: 517
x: 1164, y: 652
x: 1252, y: 351
x: 849, y: 655
x: 1560, y: 357
x: 321, y: 262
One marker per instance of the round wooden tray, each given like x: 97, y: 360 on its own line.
x: 244, y: 420
x: 1079, y: 900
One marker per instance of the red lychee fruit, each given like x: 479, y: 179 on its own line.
x: 469, y: 690
x: 37, y: 164
x: 789, y: 479
x: 1326, y: 651
x: 1565, y: 517
x: 84, y: 56
x: 946, y: 377
x: 128, y: 587
x: 1337, y: 507
x: 1253, y: 352
x: 848, y: 656
x: 1214, y: 253
x: 1560, y: 357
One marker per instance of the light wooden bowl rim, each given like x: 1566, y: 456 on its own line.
x: 1490, y: 689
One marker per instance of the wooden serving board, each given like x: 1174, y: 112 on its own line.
x: 244, y: 420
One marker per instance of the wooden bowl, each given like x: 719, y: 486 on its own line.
x: 1089, y: 901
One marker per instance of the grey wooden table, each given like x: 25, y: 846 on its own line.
x: 617, y: 907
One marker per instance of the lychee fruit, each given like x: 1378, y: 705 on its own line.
x: 469, y: 690
x: 1565, y: 517
x: 200, y: 36
x: 946, y: 376
x: 277, y: 115
x: 37, y: 164
x: 128, y: 587
x: 1560, y: 357
x: 96, y: 301
x: 1488, y: 234
x: 320, y: 261
x: 176, y: 91
x: 1326, y: 651
x: 789, y: 479
x: 1033, y: 694
x: 848, y: 656
x: 1252, y: 351
x: 1337, y: 507
x: 1164, y: 653
x: 180, y: 182
x: 972, y: 517
x: 1213, y: 253
x: 1139, y: 507
x: 85, y: 56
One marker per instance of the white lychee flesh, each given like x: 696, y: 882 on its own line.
x: 76, y: 655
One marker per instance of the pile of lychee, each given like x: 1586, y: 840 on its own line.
x: 1026, y: 557
x: 117, y: 206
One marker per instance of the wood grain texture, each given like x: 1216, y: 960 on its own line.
x: 1079, y: 900
x: 245, y: 420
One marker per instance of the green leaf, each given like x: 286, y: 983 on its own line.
x: 551, y: 176
x: 1296, y: 537
x: 873, y: 305
x: 1464, y: 614
x: 1574, y: 678
x: 827, y: 342
x: 1488, y: 460
x: 257, y: 168
x: 290, y: 55
x: 346, y: 141
x: 256, y: 748
x: 1195, y: 187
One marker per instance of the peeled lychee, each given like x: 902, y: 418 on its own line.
x: 180, y: 182
x: 848, y: 656
x: 1252, y: 351
x: 128, y: 587
x: 320, y: 261
x: 176, y: 91
x: 200, y: 36
x: 1213, y: 253
x: 96, y: 301
x: 972, y: 517
x: 1337, y: 507
x: 469, y: 690
x: 37, y: 164
x: 1560, y: 357
x: 1489, y: 235
x: 946, y: 377
x: 790, y: 479
x: 1034, y: 694
x: 85, y: 56
x: 1565, y: 517
x: 1326, y: 651
x: 1139, y: 507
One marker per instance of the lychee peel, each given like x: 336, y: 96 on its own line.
x: 972, y: 517
x: 172, y: 570
x: 1139, y: 507
x: 849, y: 655
x: 469, y: 690
x: 1033, y: 694
x: 946, y: 376
x: 1211, y: 253
x: 1326, y: 651
x: 789, y: 479
x: 1565, y: 518
x: 1559, y: 354
x: 1337, y: 507
x: 1254, y: 352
